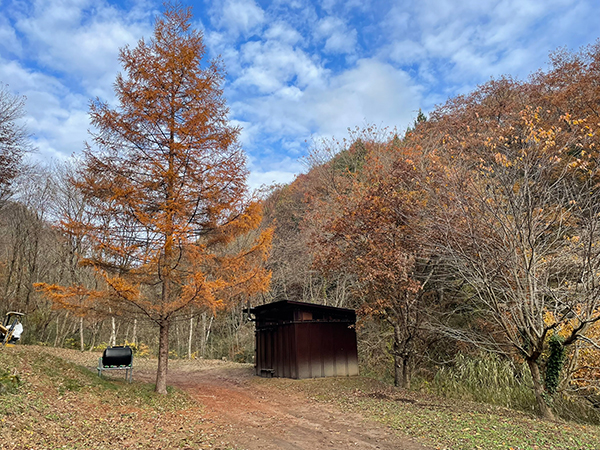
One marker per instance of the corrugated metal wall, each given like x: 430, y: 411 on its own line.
x: 305, y: 348
x: 325, y: 350
x: 275, y: 351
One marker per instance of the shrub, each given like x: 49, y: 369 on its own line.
x: 9, y: 383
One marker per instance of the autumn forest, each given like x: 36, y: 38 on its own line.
x: 468, y: 243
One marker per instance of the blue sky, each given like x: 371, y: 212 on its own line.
x: 298, y: 70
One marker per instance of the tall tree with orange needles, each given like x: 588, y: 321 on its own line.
x: 165, y: 185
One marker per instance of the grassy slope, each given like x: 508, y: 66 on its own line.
x: 62, y: 405
x: 447, y: 424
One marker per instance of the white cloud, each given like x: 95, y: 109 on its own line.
x: 273, y: 169
x: 336, y: 34
x: 9, y: 44
x: 283, y: 32
x: 453, y: 46
x: 296, y: 68
x: 345, y: 5
x: 72, y: 48
x: 257, y: 178
x: 271, y: 65
x: 81, y: 39
x: 238, y: 16
x: 56, y: 118
x: 370, y: 93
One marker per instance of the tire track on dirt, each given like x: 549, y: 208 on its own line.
x: 267, y: 418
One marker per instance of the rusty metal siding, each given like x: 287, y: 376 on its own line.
x: 275, y: 350
x: 325, y: 350
x: 301, y: 340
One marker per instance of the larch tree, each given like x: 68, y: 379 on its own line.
x: 165, y: 186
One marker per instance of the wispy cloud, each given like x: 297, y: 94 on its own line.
x: 237, y: 17
x: 297, y: 69
x: 60, y: 55
x: 338, y: 36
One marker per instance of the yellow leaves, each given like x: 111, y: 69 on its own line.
x: 588, y: 372
x: 502, y: 160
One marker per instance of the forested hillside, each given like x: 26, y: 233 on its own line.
x: 476, y: 233
x: 469, y: 244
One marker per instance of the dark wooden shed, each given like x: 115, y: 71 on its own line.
x: 304, y: 340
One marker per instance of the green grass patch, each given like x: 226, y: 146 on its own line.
x: 9, y: 383
x: 443, y: 423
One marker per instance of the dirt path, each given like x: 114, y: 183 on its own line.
x: 260, y: 416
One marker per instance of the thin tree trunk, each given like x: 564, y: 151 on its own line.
x: 202, y: 341
x: 538, y: 388
x: 177, y: 340
x: 163, y: 357
x: 134, y: 337
x: 190, y: 337
x: 67, y: 330
x: 205, y: 333
x: 127, y: 332
x: 81, y: 344
x: 95, y: 330
x: 57, y: 331
x: 61, y: 332
x: 117, y: 330
x: 113, y: 333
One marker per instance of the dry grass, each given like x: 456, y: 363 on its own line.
x: 63, y: 405
x: 60, y: 404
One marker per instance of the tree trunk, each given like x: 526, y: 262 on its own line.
x: 95, y: 330
x: 134, y: 336
x: 401, y: 361
x: 406, y: 372
x: 401, y: 372
x: 163, y: 357
x: 113, y: 332
x: 538, y: 388
x: 57, y: 331
x: 127, y: 333
x: 81, y: 344
x: 190, y: 337
x: 178, y: 351
x: 397, y: 371
x: 61, y: 333
x: 205, y: 333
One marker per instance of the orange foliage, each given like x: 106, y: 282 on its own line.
x: 167, y: 213
x: 518, y: 206
x: 77, y: 299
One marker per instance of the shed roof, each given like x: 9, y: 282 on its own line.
x: 289, y: 304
